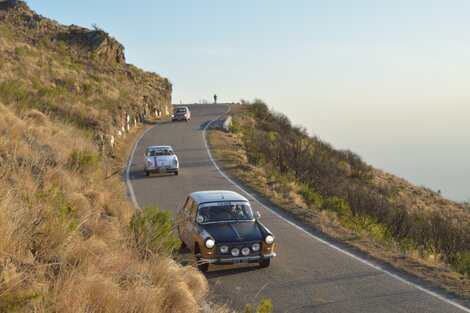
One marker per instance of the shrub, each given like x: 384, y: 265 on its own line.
x: 10, y: 303
x: 26, y: 52
x: 265, y: 306
x: 462, y: 262
x: 407, y: 245
x: 338, y: 205
x: 153, y: 231
x: 83, y: 161
x: 236, y: 127
x: 311, y: 197
x: 13, y: 92
x: 56, y: 204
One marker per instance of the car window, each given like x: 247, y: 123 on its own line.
x: 187, y: 204
x: 180, y: 110
x: 226, y: 211
x: 192, y: 210
x: 155, y: 152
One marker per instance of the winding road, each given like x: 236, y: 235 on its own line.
x: 309, y: 274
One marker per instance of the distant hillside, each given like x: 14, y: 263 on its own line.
x: 333, y: 190
x: 74, y: 74
x: 70, y: 240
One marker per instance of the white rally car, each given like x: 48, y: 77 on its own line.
x: 160, y: 159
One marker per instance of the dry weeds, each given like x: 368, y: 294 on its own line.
x: 228, y: 150
x: 64, y: 234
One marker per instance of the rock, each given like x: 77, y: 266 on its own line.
x: 9, y: 4
x: 403, y: 256
x: 96, y: 42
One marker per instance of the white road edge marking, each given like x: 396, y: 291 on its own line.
x: 463, y: 308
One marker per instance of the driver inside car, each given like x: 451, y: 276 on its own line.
x: 236, y: 212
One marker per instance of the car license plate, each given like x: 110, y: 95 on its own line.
x: 240, y: 261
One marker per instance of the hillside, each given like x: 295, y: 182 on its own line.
x: 69, y: 105
x: 74, y: 74
x: 413, y: 228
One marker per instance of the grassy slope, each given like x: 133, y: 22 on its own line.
x: 424, y: 212
x: 65, y: 242
x: 40, y: 70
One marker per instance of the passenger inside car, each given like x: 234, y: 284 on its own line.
x: 205, y: 212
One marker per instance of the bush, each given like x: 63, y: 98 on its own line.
x: 338, y: 205
x: 311, y: 197
x: 10, y: 303
x: 407, y: 245
x: 153, y: 231
x: 26, y: 52
x: 13, y: 92
x: 265, y: 306
x: 462, y: 262
x: 236, y: 126
x: 83, y: 161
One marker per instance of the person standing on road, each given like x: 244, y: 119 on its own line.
x: 215, y: 98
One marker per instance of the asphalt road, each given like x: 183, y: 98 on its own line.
x: 308, y: 274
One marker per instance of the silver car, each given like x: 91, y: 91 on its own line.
x: 181, y: 113
x: 160, y: 159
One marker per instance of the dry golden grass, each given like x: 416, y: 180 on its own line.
x: 65, y: 243
x: 64, y: 234
x: 38, y: 118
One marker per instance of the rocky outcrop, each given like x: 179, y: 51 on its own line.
x: 11, y: 4
x: 95, y: 41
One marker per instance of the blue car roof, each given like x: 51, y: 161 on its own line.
x: 216, y: 195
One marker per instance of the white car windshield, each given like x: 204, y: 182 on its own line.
x: 225, y: 211
x: 151, y: 153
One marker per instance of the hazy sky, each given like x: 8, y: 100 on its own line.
x: 389, y: 80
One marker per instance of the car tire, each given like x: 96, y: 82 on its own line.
x: 176, y: 172
x: 264, y: 263
x: 203, y: 267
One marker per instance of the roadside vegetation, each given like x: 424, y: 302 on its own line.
x: 70, y: 240
x: 413, y: 228
x: 67, y: 244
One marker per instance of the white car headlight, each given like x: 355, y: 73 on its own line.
x: 235, y: 251
x: 269, y: 239
x: 210, y: 243
x: 224, y: 249
x: 255, y: 247
x: 245, y: 251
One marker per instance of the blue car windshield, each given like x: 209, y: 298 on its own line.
x: 226, y: 212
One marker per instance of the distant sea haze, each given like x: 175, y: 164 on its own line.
x: 428, y: 147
